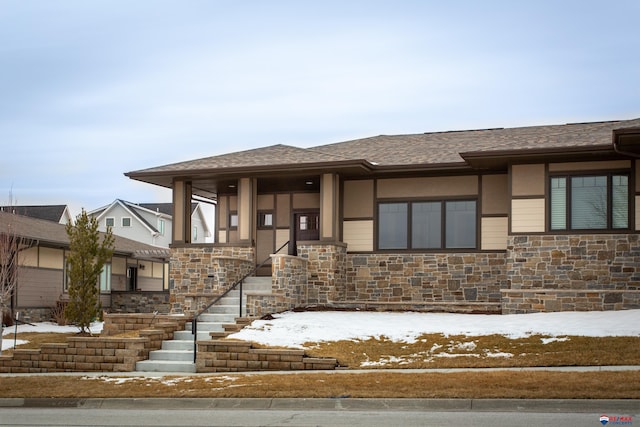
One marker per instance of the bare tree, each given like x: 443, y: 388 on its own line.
x: 11, y: 245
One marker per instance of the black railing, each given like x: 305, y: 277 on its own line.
x: 194, y: 322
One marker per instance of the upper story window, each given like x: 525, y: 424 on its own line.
x: 442, y: 224
x: 161, y: 226
x: 110, y: 222
x: 195, y: 232
x: 589, y: 202
x: 126, y: 222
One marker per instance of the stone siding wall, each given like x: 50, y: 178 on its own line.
x: 240, y: 356
x: 572, y: 273
x: 461, y: 281
x: 288, y: 289
x: 199, y: 273
x: 140, y: 302
x: 326, y: 271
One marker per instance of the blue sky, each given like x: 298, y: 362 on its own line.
x: 92, y: 89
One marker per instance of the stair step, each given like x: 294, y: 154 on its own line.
x: 165, y: 366
x: 177, y: 345
x: 188, y: 336
x: 172, y: 355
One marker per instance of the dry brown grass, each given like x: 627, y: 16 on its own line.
x: 429, y: 351
x: 375, y: 384
x: 439, y: 351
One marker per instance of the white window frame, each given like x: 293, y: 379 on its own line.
x: 113, y: 222
x: 122, y: 221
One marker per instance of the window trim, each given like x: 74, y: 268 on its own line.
x: 122, y: 221
x: 609, y: 198
x: 233, y: 214
x: 443, y: 224
x: 262, y: 215
x: 106, y: 221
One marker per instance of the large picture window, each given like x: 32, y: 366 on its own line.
x: 589, y: 202
x: 449, y: 224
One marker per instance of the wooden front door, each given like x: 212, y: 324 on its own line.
x: 307, y: 227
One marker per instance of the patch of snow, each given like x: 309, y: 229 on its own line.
x: 96, y: 328
x: 553, y: 339
x: 499, y: 354
x: 293, y: 330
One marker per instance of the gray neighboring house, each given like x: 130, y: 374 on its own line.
x: 55, y: 213
x: 150, y: 223
x: 135, y: 279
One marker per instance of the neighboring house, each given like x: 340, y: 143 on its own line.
x: 55, y: 213
x: 149, y: 223
x: 532, y: 219
x: 135, y: 278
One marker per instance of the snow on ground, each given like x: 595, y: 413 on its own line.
x: 96, y: 328
x: 291, y: 329
x: 294, y: 329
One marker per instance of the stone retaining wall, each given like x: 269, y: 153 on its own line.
x: 119, y: 323
x: 239, y: 356
x: 89, y: 354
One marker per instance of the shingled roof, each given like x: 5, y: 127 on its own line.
x: 48, y: 212
x: 415, y: 149
x: 51, y: 233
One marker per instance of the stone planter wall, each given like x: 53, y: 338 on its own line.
x: 199, y: 273
x: 572, y: 273
x: 289, y: 287
x: 85, y: 354
x: 239, y: 356
x: 119, y: 323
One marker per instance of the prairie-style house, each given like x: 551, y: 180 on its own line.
x: 149, y: 223
x: 516, y: 220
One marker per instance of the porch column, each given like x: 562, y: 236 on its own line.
x: 247, y: 194
x: 181, y: 228
x: 329, y: 206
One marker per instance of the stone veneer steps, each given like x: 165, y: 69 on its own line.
x: 176, y: 355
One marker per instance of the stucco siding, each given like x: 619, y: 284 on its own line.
x: 527, y: 180
x: 29, y: 257
x: 51, y: 258
x: 283, y: 210
x: 494, y: 233
x: 358, y: 235
x: 282, y: 237
x: 527, y: 216
x: 495, y: 199
x: 358, y: 199
x: 306, y: 201
x: 428, y: 187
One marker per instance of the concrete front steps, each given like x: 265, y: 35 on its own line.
x: 176, y: 355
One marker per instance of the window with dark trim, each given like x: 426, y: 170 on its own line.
x: 589, y: 202
x: 233, y: 220
x: 265, y: 219
x: 440, y: 224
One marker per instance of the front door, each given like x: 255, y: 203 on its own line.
x: 307, y: 227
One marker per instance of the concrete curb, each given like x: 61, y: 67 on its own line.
x: 595, y: 406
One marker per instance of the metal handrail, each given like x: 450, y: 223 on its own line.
x: 194, y: 322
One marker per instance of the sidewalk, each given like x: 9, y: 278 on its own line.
x: 595, y: 406
x: 340, y: 371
